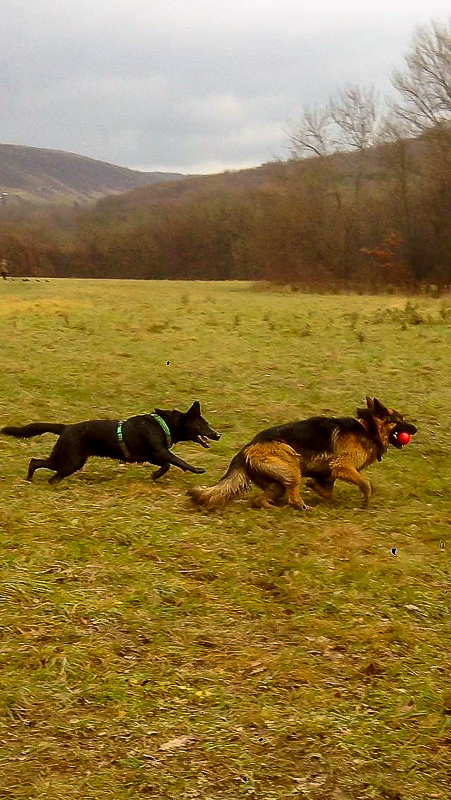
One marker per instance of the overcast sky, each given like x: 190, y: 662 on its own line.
x: 189, y: 85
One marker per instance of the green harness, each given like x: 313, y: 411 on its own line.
x: 165, y: 427
x: 157, y: 418
x: 120, y: 437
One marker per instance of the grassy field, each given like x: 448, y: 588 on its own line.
x: 150, y: 649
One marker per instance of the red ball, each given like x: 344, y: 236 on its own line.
x: 403, y: 437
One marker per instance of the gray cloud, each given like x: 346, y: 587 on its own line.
x: 188, y: 85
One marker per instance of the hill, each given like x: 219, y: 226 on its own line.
x: 35, y: 174
x: 271, y: 177
x: 363, y: 219
x: 196, y: 187
x: 343, y: 169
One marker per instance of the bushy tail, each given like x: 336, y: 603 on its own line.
x: 232, y: 486
x: 33, y: 429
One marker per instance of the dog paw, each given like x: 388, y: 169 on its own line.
x: 198, y: 470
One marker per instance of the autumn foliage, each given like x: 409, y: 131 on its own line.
x: 389, y: 265
x: 303, y: 224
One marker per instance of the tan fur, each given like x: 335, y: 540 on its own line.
x: 349, y: 457
x: 274, y: 467
x: 277, y: 468
x: 232, y: 486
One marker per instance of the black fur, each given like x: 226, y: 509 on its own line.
x: 312, y: 434
x: 322, y: 449
x: 144, y: 440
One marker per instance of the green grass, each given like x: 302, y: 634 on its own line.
x: 153, y: 650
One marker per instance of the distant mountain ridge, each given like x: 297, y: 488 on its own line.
x: 38, y: 175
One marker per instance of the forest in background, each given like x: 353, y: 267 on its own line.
x: 364, y: 202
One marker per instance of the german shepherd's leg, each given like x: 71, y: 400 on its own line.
x: 286, y: 474
x: 37, y: 463
x: 264, y: 500
x: 273, y: 494
x: 349, y: 474
x: 322, y: 486
x: 294, y: 496
x: 276, y: 493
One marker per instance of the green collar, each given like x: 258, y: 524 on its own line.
x: 165, y: 427
x: 120, y: 437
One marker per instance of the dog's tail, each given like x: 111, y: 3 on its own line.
x: 33, y: 429
x: 232, y: 486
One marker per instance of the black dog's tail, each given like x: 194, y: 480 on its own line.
x: 33, y: 429
x: 233, y: 485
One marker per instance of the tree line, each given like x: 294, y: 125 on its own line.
x: 364, y: 201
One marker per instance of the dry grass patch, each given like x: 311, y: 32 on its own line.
x: 152, y: 650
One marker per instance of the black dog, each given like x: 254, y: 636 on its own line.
x: 147, y: 437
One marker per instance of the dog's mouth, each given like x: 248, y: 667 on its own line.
x: 401, y: 427
x: 204, y: 440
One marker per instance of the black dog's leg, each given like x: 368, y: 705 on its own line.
x: 58, y: 476
x: 160, y: 472
x: 179, y: 462
x: 166, y: 458
x: 66, y: 469
x: 61, y: 470
x: 37, y: 463
x: 68, y: 456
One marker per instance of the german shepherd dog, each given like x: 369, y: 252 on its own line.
x: 321, y: 449
x: 139, y: 439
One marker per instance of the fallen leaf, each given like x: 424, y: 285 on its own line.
x: 373, y: 668
x: 173, y: 744
x: 409, y: 706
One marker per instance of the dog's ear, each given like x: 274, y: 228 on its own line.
x: 369, y: 403
x: 379, y: 409
x: 194, y: 411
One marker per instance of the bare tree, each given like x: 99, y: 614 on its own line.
x: 348, y: 122
x: 425, y: 83
x: 312, y: 135
x: 354, y: 112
